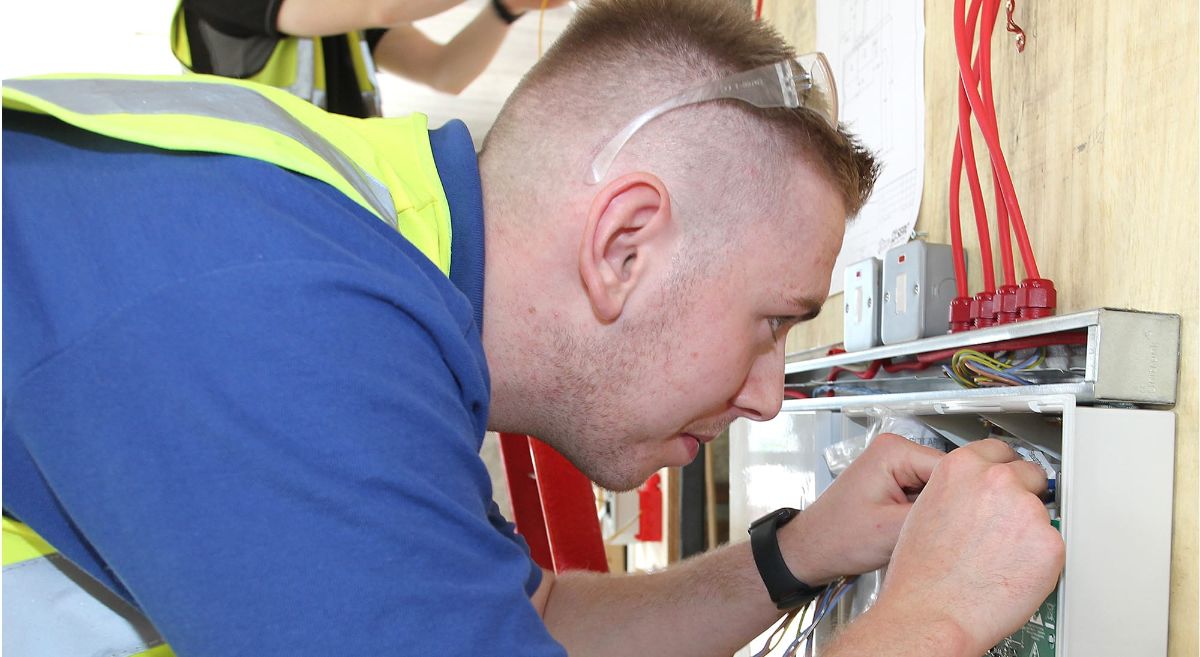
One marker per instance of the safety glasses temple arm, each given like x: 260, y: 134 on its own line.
x: 773, y: 85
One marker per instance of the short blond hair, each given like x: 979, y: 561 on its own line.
x: 616, y: 53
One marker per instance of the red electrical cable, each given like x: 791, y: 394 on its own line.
x: 991, y: 10
x: 1004, y: 231
x: 930, y: 358
x: 960, y: 306
x: 911, y: 366
x: 758, y: 10
x: 991, y: 137
x: 965, y: 144
x: 1006, y: 303
x: 884, y: 364
x: 869, y: 373
x: 1065, y: 338
x: 956, y: 243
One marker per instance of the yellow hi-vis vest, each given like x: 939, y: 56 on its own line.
x: 294, y: 64
x: 384, y: 165
x: 52, y: 607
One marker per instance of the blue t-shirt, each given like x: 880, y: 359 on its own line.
x: 251, y: 407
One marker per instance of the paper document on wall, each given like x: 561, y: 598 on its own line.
x: 876, y: 49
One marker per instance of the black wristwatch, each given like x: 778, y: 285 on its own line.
x: 786, y: 591
x: 503, y: 12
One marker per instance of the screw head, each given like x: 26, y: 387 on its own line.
x: 887, y: 296
x: 916, y: 289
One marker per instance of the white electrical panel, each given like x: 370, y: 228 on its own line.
x: 1112, y: 501
x: 918, y: 286
x: 861, y: 318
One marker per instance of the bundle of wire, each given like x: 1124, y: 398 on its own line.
x: 975, y: 369
x: 975, y: 99
x: 824, y: 603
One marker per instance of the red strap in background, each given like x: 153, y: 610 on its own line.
x: 650, y: 510
x: 526, y: 503
x: 554, y: 507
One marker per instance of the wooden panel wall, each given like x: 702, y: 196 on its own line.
x: 1099, y: 121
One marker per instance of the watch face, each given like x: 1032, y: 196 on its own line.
x: 782, y: 515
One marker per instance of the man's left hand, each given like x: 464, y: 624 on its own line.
x: 853, y: 526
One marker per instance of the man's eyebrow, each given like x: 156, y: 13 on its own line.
x: 808, y: 308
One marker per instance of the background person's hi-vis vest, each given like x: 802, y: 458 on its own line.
x: 295, y: 64
x: 52, y: 607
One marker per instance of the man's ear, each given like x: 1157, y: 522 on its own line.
x: 629, y: 222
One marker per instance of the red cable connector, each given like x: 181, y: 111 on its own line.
x: 984, y: 306
x: 960, y: 315
x: 1006, y: 304
x: 966, y: 146
x: 1036, y: 298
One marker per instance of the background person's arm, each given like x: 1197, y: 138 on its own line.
x: 714, y: 604
x: 323, y: 18
x: 406, y: 51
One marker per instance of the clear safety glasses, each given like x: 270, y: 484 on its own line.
x: 806, y: 81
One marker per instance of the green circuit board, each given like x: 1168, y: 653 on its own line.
x: 1037, y: 638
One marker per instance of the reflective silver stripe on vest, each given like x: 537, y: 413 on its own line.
x: 370, y: 98
x: 305, y: 83
x: 218, y: 101
x: 54, y: 609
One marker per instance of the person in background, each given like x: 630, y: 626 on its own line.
x: 327, y: 52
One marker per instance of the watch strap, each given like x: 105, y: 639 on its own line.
x: 504, y: 13
x: 785, y: 590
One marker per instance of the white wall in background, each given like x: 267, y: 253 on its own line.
x: 125, y: 36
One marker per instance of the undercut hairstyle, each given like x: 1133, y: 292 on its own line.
x: 618, y: 58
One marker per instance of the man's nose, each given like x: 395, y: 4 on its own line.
x: 761, y: 394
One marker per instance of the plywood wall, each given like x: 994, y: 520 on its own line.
x: 1099, y: 119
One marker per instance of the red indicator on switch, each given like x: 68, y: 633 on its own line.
x: 901, y: 258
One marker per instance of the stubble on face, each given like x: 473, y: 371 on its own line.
x: 600, y: 409
x: 598, y: 397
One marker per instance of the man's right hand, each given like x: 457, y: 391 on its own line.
x: 977, y: 549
